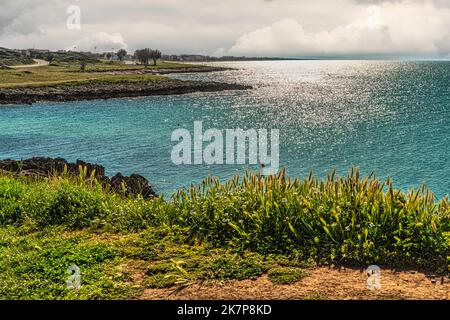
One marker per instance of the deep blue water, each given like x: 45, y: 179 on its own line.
x: 392, y: 118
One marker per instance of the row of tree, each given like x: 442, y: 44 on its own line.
x: 145, y: 55
x: 142, y: 55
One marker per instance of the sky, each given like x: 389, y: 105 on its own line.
x: 285, y: 28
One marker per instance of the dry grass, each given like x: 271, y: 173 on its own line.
x: 70, y: 74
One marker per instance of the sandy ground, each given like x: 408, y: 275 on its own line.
x: 321, y: 283
x: 39, y: 63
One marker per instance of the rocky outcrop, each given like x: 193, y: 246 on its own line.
x: 91, y: 91
x: 134, y: 184
x: 45, y: 167
x: 39, y: 166
x: 197, y: 69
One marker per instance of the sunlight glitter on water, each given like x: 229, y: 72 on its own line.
x: 389, y: 117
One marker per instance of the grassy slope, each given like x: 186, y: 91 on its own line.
x: 70, y: 74
x: 216, y: 231
x: 15, y: 61
x: 10, y: 58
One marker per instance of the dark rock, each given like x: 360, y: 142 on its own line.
x: 107, y: 91
x: 45, y: 167
x: 197, y: 69
x: 134, y: 184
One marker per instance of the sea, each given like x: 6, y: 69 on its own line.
x: 389, y: 118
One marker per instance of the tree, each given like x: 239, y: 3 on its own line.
x: 50, y: 57
x: 143, y: 56
x: 155, y: 55
x: 83, y: 64
x: 108, y: 55
x: 121, y: 54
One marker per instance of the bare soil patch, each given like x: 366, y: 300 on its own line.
x: 321, y: 283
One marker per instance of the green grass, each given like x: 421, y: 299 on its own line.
x: 69, y: 73
x: 109, y: 66
x: 285, y: 275
x: 120, y: 66
x: 33, y: 266
x: 212, y: 232
x: 15, y: 61
x: 33, y: 263
x: 33, y: 79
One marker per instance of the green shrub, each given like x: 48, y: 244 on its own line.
x: 351, y: 220
x: 11, y: 191
x: 34, y: 267
x: 285, y: 275
x: 238, y: 267
x: 159, y: 281
x: 74, y: 206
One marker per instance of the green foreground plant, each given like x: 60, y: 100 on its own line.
x: 214, y: 231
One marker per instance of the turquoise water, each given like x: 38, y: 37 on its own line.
x: 392, y: 118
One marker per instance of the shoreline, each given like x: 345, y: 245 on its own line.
x: 92, y: 89
x: 160, y: 71
x: 48, y: 168
x: 108, y: 91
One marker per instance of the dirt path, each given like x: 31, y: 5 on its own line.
x: 321, y: 283
x: 39, y: 63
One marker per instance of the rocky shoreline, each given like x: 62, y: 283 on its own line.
x: 40, y: 167
x: 61, y: 93
x: 199, y: 69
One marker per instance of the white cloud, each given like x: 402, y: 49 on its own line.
x: 100, y: 41
x: 389, y: 28
x: 251, y: 27
x: 288, y: 37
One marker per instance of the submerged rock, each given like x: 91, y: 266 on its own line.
x: 46, y: 167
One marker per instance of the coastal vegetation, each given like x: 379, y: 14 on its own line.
x: 70, y: 74
x: 121, y: 54
x: 81, y: 80
x: 144, y: 55
x: 11, y: 57
x: 240, y: 228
